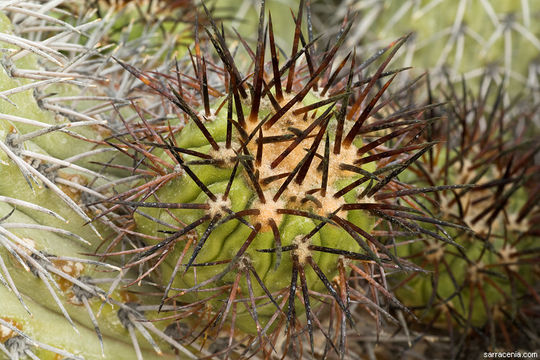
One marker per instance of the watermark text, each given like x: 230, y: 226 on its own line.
x: 510, y: 355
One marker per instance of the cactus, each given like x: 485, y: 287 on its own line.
x: 484, y: 286
x: 464, y: 37
x: 252, y: 199
x: 53, y: 139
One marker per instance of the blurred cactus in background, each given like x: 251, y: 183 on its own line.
x: 470, y: 38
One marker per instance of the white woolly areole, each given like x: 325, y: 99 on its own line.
x: 207, y: 118
x: 507, y: 253
x: 268, y: 210
x: 345, y: 261
x: 302, y: 250
x: 475, y: 276
x: 218, y: 207
x: 244, y: 262
x: 514, y: 225
x: 331, y: 203
x: 223, y: 154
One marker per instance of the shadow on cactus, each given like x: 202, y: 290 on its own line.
x: 260, y: 199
